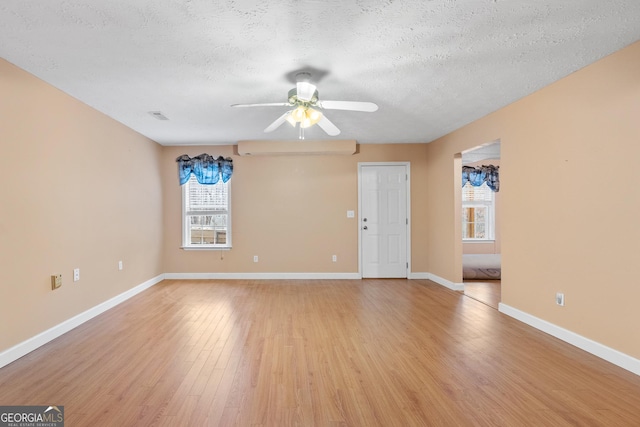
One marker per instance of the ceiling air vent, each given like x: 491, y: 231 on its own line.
x: 158, y: 115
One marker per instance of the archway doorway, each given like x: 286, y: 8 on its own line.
x: 480, y: 224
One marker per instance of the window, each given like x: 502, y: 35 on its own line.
x: 478, y: 212
x: 206, y: 215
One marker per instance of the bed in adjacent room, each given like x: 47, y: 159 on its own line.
x: 481, y: 267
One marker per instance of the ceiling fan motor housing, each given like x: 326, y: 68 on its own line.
x: 294, y: 100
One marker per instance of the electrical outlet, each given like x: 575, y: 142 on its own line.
x: 120, y: 265
x: 351, y: 214
x: 334, y: 258
x: 255, y: 258
x: 56, y: 281
x: 76, y: 274
x: 560, y: 298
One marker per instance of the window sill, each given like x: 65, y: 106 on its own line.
x: 206, y: 248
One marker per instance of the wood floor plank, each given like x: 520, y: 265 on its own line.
x: 317, y: 353
x: 487, y: 291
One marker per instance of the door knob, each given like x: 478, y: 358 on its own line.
x: 365, y: 228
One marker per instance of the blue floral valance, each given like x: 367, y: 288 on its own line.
x: 480, y: 175
x: 206, y: 168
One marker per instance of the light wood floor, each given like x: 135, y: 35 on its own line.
x: 487, y: 291
x: 317, y: 353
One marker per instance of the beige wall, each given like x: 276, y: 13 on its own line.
x: 574, y: 146
x: 78, y: 190
x: 493, y: 247
x: 291, y: 211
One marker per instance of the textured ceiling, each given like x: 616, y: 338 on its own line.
x: 430, y: 65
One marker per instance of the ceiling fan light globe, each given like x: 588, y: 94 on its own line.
x: 290, y: 120
x: 299, y: 114
x: 314, y: 115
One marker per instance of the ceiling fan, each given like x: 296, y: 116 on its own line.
x: 303, y: 103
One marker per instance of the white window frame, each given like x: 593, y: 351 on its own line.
x: 186, y: 231
x: 491, y: 216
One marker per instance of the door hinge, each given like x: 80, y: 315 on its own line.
x: 407, y: 221
x: 407, y: 265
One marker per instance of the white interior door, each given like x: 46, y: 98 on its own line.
x: 383, y: 220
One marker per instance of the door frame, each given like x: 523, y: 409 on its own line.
x: 407, y: 166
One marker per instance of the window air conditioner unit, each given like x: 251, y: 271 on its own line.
x: 297, y: 147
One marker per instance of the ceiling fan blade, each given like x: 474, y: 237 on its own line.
x: 327, y: 126
x: 348, y: 105
x: 272, y: 104
x: 276, y: 124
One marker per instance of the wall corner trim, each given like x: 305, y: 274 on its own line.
x: 446, y: 283
x: 27, y: 346
x: 602, y: 351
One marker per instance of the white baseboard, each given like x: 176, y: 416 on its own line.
x: 602, y: 351
x: 417, y: 276
x: 25, y: 347
x: 276, y: 276
x: 263, y: 276
x: 446, y: 283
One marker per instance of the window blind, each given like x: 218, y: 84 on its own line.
x: 476, y: 194
x: 206, y: 198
